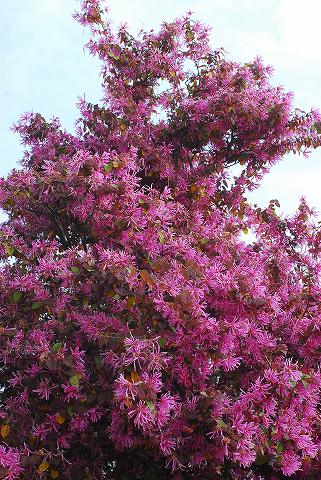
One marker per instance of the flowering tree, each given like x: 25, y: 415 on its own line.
x: 141, y: 337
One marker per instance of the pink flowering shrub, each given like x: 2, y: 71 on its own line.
x: 141, y: 337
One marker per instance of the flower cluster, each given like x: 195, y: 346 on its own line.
x: 140, y: 336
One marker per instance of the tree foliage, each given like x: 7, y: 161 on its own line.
x: 141, y: 337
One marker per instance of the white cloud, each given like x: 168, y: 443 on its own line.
x: 44, y: 68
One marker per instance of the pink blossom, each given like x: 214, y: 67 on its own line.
x: 306, y: 444
x: 45, y: 389
x: 141, y: 328
x: 167, y: 445
x: 10, y: 460
x: 290, y: 463
x: 142, y: 416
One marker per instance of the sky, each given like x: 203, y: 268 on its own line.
x: 44, y: 67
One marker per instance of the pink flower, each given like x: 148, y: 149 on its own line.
x: 230, y: 363
x: 94, y: 414
x: 167, y: 444
x: 142, y: 416
x: 137, y: 322
x: 306, y: 444
x: 166, y: 405
x: 125, y: 390
x: 135, y: 351
x: 79, y: 423
x: 245, y: 453
x: 41, y: 431
x: 45, y: 389
x: 10, y: 460
x: 71, y: 392
x: 64, y: 441
x: 152, y: 381
x: 290, y: 462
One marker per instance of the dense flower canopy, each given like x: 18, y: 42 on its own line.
x: 141, y: 336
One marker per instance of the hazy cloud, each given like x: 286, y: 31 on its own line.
x: 44, y: 67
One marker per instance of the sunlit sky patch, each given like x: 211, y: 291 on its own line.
x: 45, y: 68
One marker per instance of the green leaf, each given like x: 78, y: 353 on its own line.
x: 97, y: 359
x: 56, y: 347
x: 75, y: 270
x: 203, y: 241
x: 162, y: 342
x: 113, y: 55
x: 9, y: 250
x: 16, y: 296
x: 90, y: 269
x: 36, y: 305
x: 261, y: 459
x: 161, y: 237
x: 189, y: 33
x: 70, y: 411
x: 74, y: 380
x: 317, y: 126
x: 150, y: 405
x: 305, y: 383
x: 108, y: 167
x: 279, y: 447
x: 221, y: 423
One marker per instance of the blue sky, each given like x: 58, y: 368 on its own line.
x: 45, y: 69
